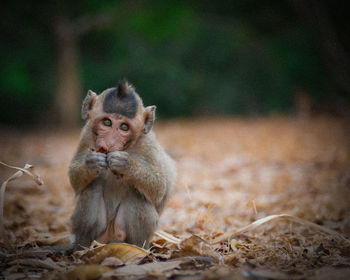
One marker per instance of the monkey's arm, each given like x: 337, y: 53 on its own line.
x: 79, y: 175
x: 153, y: 176
x: 84, y: 167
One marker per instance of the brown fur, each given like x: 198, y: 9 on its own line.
x: 135, y: 184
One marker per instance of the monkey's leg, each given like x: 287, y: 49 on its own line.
x: 89, y: 217
x: 135, y: 223
x: 141, y: 220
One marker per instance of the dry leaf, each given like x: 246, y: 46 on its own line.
x: 47, y: 263
x: 196, y: 246
x: 86, y: 272
x: 58, y: 239
x: 112, y: 261
x: 298, y: 168
x: 234, y: 244
x: 127, y: 253
x: 150, y: 269
x: 270, y: 274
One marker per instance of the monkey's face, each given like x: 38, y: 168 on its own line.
x: 117, y: 117
x: 115, y: 132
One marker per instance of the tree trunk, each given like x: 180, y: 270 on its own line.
x: 69, y: 88
x: 67, y: 34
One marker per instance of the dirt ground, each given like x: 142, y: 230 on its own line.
x: 231, y: 172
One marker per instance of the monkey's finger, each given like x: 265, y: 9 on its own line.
x: 117, y: 155
x: 94, y: 158
x: 116, y: 165
x: 102, y: 164
x: 117, y: 160
x: 96, y: 164
x: 97, y: 155
x: 101, y: 159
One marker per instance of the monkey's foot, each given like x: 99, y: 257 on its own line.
x: 113, y: 233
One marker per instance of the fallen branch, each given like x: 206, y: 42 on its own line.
x: 26, y: 170
x: 231, y: 234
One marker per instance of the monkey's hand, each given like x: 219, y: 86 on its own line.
x: 147, y: 177
x: 96, y: 162
x: 118, y: 161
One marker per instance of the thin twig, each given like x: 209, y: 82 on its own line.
x: 168, y: 237
x: 229, y: 235
x: 37, y: 179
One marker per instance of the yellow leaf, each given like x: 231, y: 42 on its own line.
x: 127, y: 253
x: 87, y: 272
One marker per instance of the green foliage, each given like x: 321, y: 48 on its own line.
x: 187, y: 57
x: 26, y: 63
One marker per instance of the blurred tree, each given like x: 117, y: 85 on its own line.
x: 68, y: 32
x: 315, y: 15
x: 189, y: 57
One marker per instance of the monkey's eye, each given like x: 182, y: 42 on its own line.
x: 124, y: 127
x: 107, y: 122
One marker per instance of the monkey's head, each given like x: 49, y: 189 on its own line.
x: 117, y: 117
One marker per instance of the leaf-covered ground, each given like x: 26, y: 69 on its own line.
x: 231, y: 172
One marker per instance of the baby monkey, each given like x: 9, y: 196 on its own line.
x: 120, y: 173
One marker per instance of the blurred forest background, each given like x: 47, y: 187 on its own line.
x: 280, y: 69
x: 191, y: 58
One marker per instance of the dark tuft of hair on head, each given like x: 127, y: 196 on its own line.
x: 121, y: 100
x: 124, y: 88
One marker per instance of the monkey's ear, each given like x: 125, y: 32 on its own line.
x: 88, y: 103
x: 150, y: 112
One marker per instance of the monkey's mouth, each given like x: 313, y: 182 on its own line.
x: 99, y: 150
